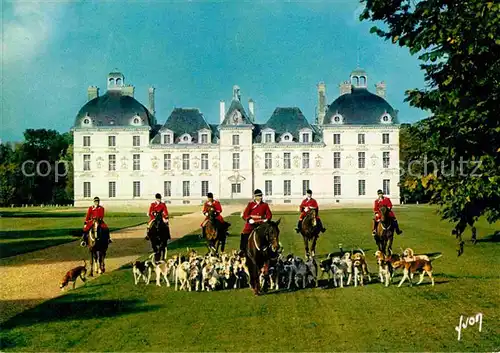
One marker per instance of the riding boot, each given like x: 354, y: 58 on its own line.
x: 243, y: 243
x: 299, y: 225
x: 396, y: 227
x: 320, y: 225
x: 147, y: 234
x: 374, y: 227
x: 83, y: 243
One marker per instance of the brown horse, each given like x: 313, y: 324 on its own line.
x: 263, y: 245
x: 214, y: 233
x: 310, y: 231
x: 385, y: 232
x: 97, y: 244
x: 459, y: 230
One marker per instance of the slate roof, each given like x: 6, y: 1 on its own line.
x: 360, y: 107
x: 184, y: 121
x: 236, y: 105
x: 113, y: 109
x: 289, y: 120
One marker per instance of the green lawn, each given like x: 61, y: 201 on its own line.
x: 112, y: 314
x: 27, y: 230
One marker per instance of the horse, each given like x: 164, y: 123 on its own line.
x: 159, y: 234
x: 310, y: 231
x: 385, y: 232
x: 214, y: 233
x: 460, y: 228
x: 263, y: 245
x: 97, y: 244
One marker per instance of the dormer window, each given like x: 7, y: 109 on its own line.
x: 87, y: 121
x: 167, y: 139
x: 286, y: 137
x: 337, y: 119
x: 136, y: 120
x: 186, y: 138
x: 268, y: 137
x: 386, y: 118
x: 204, y: 136
x: 306, y: 136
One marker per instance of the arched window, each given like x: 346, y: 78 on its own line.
x: 362, y: 81
x: 118, y: 82
x: 355, y: 81
x: 111, y: 82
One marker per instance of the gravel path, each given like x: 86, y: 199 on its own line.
x: 29, y: 279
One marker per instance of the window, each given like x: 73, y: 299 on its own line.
x: 336, y: 139
x: 361, y: 187
x: 111, y: 141
x: 185, y: 189
x: 86, y: 141
x: 236, y: 140
x: 336, y: 160
x: 287, y: 188
x: 361, y: 139
x: 167, y: 161
x: 167, y: 188
x: 287, y: 162
x: 112, y: 189
x: 136, y: 162
x: 305, y: 186
x: 204, y: 161
x: 185, y: 161
x: 336, y: 186
x: 305, y: 160
x: 112, y: 162
x: 86, y: 162
x: 204, y: 188
x: 136, y: 141
x: 386, y: 159
x: 268, y: 161
x: 361, y: 159
x: 86, y: 189
x: 305, y: 137
x: 385, y: 138
x: 236, y: 161
x: 268, y: 137
x: 204, y: 138
x: 236, y: 188
x: 167, y: 139
x: 268, y: 187
x: 137, y: 189
x: 386, y: 186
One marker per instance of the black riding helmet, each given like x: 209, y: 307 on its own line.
x: 257, y: 192
x: 158, y: 196
x: 380, y: 192
x: 96, y: 199
x: 210, y: 195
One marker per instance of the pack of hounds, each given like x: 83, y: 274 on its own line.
x: 230, y: 271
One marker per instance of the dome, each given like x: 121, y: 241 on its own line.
x: 113, y: 109
x: 360, y: 107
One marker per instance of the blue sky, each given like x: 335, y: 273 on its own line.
x: 193, y: 53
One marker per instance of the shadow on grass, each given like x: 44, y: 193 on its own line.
x: 492, y: 238
x: 76, y: 307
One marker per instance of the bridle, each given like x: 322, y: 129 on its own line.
x: 255, y: 240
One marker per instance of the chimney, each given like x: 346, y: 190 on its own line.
x: 92, y: 92
x: 345, y: 87
x: 222, y: 111
x: 321, y: 102
x: 152, y: 100
x: 128, y: 90
x: 380, y: 89
x: 251, y: 109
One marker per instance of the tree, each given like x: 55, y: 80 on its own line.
x: 459, y: 45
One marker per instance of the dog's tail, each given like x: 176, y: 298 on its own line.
x: 432, y: 258
x: 84, y: 263
x: 362, y: 252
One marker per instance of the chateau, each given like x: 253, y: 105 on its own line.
x: 125, y: 156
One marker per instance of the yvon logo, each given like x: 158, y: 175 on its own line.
x: 469, y: 321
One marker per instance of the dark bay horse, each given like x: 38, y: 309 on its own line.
x: 214, y: 233
x: 97, y: 244
x: 263, y: 245
x: 310, y: 231
x: 159, y: 234
x: 459, y: 230
x: 385, y: 232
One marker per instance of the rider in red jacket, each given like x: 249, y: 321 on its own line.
x: 217, y: 208
x: 307, y: 204
x: 256, y: 212
x: 379, y: 202
x: 95, y: 211
x: 156, y: 207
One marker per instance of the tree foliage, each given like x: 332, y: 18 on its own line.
x: 21, y: 182
x: 458, y: 43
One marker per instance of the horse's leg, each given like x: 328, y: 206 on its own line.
x: 389, y: 246
x: 474, y: 235
x: 306, y: 245
x: 91, y: 264
x: 313, y: 247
